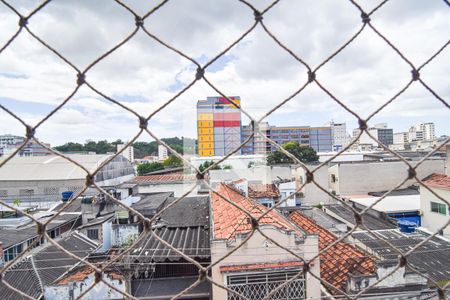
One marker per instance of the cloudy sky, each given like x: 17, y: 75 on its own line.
x: 143, y: 75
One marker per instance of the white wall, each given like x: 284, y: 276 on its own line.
x: 263, y: 174
x: 99, y: 291
x: 257, y: 250
x: 177, y: 188
x: 235, y: 161
x: 431, y: 220
x: 312, y: 194
x: 286, y: 189
x: 123, y: 233
x: 361, y: 178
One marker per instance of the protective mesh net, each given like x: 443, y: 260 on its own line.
x: 293, y: 285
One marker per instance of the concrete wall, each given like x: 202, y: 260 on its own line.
x: 431, y: 220
x: 48, y: 190
x: 399, y: 279
x: 177, y: 188
x: 123, y: 234
x: 73, y: 289
x: 361, y: 178
x: 258, y: 250
x: 263, y: 174
x: 286, y: 189
x: 235, y: 161
x: 312, y: 195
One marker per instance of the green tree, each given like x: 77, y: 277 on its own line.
x: 227, y: 167
x: 70, y: 147
x: 173, y: 162
x: 148, y: 167
x: 303, y: 153
x: 206, y: 164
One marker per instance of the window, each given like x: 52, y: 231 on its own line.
x: 333, y: 178
x: 3, y: 193
x: 259, y: 285
x: 439, y: 208
x: 92, y: 234
x: 11, y: 253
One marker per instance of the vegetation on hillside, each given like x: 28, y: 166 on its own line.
x: 141, y: 149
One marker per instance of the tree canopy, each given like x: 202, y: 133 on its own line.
x: 303, y: 153
x: 148, y: 167
x: 141, y: 149
x: 206, y: 164
x: 173, y: 162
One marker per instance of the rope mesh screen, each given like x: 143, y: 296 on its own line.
x: 143, y: 128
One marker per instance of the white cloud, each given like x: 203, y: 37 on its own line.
x: 143, y: 75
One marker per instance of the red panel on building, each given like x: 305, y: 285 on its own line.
x: 227, y: 124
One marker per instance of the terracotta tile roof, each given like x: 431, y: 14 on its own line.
x: 175, y: 177
x: 250, y: 267
x: 263, y: 191
x: 229, y: 220
x: 440, y: 181
x: 338, y: 261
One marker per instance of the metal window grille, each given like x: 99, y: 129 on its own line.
x: 81, y: 79
x: 259, y: 285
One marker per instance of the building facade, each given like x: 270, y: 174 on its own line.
x: 163, y: 153
x: 9, y: 143
x: 128, y: 153
x: 340, y: 137
x: 218, y: 126
x: 318, y: 138
x: 435, y: 212
x: 427, y: 130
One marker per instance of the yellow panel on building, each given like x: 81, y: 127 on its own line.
x: 206, y: 138
x: 206, y: 152
x: 205, y: 145
x: 205, y: 124
x: 204, y: 116
x: 206, y: 131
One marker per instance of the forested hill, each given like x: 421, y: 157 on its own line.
x: 141, y: 149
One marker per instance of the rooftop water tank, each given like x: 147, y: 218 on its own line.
x: 407, y: 226
x: 66, y: 195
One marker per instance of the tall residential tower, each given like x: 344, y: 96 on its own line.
x: 218, y: 126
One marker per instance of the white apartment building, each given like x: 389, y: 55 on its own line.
x: 427, y: 130
x: 9, y: 139
x: 435, y: 212
x: 128, y: 153
x: 401, y: 138
x: 340, y: 137
x: 163, y: 153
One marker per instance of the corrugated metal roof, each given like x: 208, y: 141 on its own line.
x: 49, y: 167
x: 44, y: 267
x: 192, y: 241
x: 433, y: 256
x: 167, y: 288
x: 13, y: 236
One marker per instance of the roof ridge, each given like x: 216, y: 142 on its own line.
x: 38, y: 276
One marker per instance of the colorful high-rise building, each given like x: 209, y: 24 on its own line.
x: 218, y: 126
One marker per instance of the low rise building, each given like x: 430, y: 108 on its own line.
x: 364, y: 177
x: 340, y: 261
x: 177, y: 183
x: 259, y: 266
x: 435, y: 212
x: 34, y: 273
x: 399, y: 205
x: 42, y: 179
x: 265, y: 194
